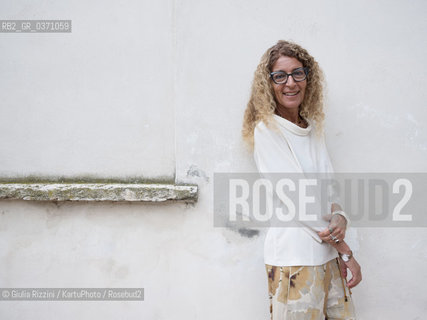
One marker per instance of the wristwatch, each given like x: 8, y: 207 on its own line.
x: 346, y: 257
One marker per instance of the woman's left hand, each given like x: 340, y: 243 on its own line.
x: 335, y: 230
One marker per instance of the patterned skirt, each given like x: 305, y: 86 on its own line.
x: 309, y: 292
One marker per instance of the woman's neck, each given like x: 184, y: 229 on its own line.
x: 291, y: 115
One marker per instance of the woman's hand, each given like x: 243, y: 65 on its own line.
x: 355, y: 270
x: 351, y: 264
x: 335, y: 230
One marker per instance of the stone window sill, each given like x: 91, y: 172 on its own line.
x: 98, y: 191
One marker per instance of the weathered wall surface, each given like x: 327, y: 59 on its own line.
x: 94, y: 102
x: 188, y: 122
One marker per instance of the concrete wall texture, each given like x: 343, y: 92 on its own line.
x: 158, y: 89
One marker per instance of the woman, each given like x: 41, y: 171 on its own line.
x: 283, y: 123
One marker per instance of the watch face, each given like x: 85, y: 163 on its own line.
x: 346, y: 257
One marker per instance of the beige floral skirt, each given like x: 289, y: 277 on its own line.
x: 309, y: 292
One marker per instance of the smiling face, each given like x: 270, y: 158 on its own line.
x: 290, y: 95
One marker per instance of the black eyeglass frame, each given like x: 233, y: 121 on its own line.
x: 306, y: 71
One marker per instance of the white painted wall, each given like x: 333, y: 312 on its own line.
x: 372, y: 53
x: 94, y: 102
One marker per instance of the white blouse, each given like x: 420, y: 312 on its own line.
x: 292, y: 150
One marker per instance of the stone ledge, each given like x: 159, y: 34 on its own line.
x: 133, y: 192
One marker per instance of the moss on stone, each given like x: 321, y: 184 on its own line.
x: 114, y: 190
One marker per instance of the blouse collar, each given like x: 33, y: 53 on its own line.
x: 292, y: 127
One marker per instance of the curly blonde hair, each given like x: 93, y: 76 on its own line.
x: 262, y: 103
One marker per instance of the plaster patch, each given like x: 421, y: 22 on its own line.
x: 244, y: 232
x: 249, y: 233
x: 194, y: 171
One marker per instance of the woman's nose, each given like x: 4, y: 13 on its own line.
x: 291, y: 82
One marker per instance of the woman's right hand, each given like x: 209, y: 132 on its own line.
x: 355, y: 269
x: 351, y: 264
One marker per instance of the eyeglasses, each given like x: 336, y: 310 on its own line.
x: 281, y: 77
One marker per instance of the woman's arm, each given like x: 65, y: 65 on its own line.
x: 338, y: 226
x: 351, y: 264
